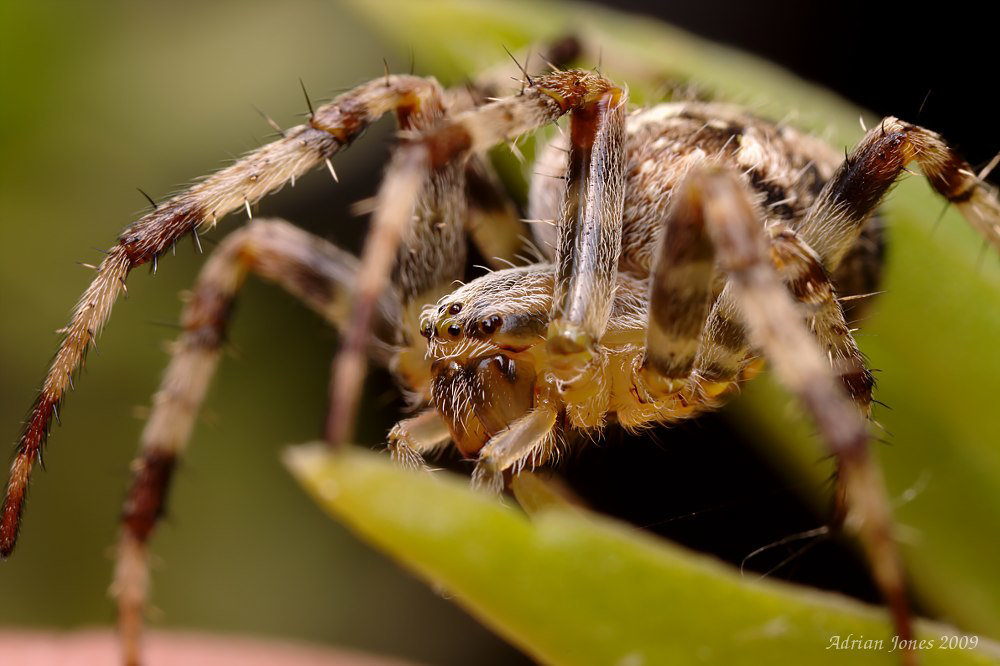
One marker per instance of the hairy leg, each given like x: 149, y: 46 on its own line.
x: 725, y: 348
x: 590, y: 240
x: 684, y: 336
x: 330, y: 128
x: 775, y: 327
x: 493, y: 222
x: 849, y: 198
x: 859, y: 275
x: 308, y: 267
x: 801, y: 269
x: 756, y: 311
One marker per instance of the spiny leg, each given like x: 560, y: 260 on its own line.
x: 429, y: 259
x: 725, y: 350
x: 755, y: 310
x: 422, y: 154
x: 775, y: 328
x: 330, y: 128
x: 802, y: 271
x: 494, y: 82
x: 493, y: 223
x: 850, y: 197
x: 859, y: 275
x: 310, y: 268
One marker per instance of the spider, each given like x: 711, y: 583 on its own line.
x: 681, y: 245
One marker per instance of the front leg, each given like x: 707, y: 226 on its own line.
x: 776, y: 327
x: 590, y: 232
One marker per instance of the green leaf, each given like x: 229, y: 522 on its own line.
x: 573, y: 588
x: 933, y: 334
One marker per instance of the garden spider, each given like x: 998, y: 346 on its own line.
x: 561, y: 345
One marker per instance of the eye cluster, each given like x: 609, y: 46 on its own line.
x: 449, y: 326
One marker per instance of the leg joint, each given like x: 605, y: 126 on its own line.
x: 150, y: 483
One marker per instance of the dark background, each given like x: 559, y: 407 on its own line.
x: 886, y: 57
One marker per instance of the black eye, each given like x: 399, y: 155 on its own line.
x: 455, y: 308
x: 490, y: 324
x: 454, y: 330
x: 427, y: 331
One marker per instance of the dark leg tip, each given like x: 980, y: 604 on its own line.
x: 7, y: 547
x: 9, y: 527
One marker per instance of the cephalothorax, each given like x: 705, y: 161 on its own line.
x: 678, y: 247
x: 489, y: 337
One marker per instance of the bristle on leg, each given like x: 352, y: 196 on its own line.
x: 331, y: 127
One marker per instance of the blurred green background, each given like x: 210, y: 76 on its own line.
x: 100, y: 99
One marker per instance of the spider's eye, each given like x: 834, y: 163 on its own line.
x: 427, y: 331
x: 455, y: 308
x: 454, y: 330
x: 490, y: 324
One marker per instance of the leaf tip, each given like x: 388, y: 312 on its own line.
x: 307, y: 463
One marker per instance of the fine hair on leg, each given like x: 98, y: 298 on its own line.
x: 756, y: 307
x: 329, y: 129
x: 849, y: 198
x: 311, y: 269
